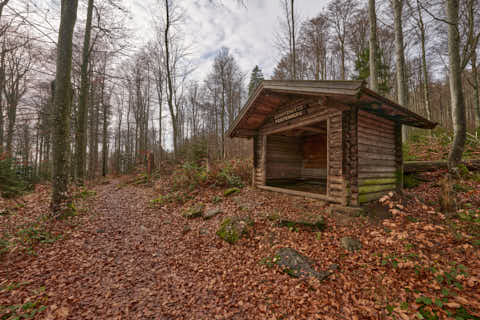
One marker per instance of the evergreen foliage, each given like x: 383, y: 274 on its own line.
x: 255, y: 78
x: 14, y: 179
x: 362, y: 70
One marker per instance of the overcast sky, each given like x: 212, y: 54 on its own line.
x: 247, y: 31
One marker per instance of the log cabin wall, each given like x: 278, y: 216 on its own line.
x: 284, y: 157
x: 335, y: 181
x: 376, y: 157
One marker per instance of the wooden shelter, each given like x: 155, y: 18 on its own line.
x: 332, y: 140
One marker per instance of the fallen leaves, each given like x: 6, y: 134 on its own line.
x: 131, y: 260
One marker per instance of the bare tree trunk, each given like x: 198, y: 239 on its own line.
x: 105, y: 140
x: 81, y: 132
x: 476, y: 97
x: 426, y: 89
x: 294, y: 57
x: 2, y: 88
x: 373, y: 45
x: 456, y: 90
x: 62, y: 103
x: 402, y: 89
x: 173, y: 115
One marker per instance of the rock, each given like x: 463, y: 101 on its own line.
x: 313, y: 222
x: 351, y: 244
x: 232, y: 229
x: 211, y: 213
x: 203, y: 231
x: 230, y: 191
x: 100, y: 230
x: 194, y: 212
x: 242, y: 204
x: 186, y: 229
x: 334, y: 267
x: 297, y: 265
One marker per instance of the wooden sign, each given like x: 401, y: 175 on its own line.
x: 290, y: 114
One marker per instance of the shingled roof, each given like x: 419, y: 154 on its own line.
x: 272, y: 95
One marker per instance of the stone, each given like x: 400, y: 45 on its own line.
x: 211, y: 213
x: 351, y: 244
x: 297, y: 265
x: 186, y: 229
x: 232, y: 229
x: 100, y: 230
x: 230, y: 191
x: 243, y: 204
x: 313, y: 222
x: 194, y: 212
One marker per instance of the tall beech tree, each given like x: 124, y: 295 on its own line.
x: 81, y: 130
x: 62, y: 100
x: 456, y: 89
x: 372, y: 16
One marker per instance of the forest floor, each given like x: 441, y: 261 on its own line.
x: 124, y: 256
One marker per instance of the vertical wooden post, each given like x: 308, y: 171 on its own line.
x: 255, y: 160
x: 399, y: 157
x: 263, y: 162
x: 346, y: 157
x: 354, y: 156
x: 328, y: 157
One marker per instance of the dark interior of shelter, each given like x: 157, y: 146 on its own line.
x: 297, y: 158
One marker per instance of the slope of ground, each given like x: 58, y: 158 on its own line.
x: 125, y: 256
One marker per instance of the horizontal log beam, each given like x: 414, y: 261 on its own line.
x: 423, y: 166
x: 301, y: 194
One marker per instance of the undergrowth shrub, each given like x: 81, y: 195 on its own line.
x: 231, y: 173
x: 435, y: 145
x: 13, y: 180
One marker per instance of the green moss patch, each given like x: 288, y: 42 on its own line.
x: 194, y: 212
x: 232, y: 229
x: 230, y: 191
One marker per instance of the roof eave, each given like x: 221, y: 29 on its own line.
x: 426, y: 124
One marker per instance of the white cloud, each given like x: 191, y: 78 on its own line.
x: 247, y: 31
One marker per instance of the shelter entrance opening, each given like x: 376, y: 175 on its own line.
x: 296, y: 159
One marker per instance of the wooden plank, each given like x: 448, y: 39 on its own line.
x: 375, y: 143
x: 375, y: 175
x: 375, y: 156
x: 371, y: 169
x: 376, y: 132
x: 366, y: 148
x: 370, y: 123
x: 376, y: 181
x: 362, y: 136
x: 367, y: 125
x: 371, y: 116
x: 313, y: 129
x: 299, y: 122
x: 301, y: 193
x: 375, y: 188
x: 370, y: 162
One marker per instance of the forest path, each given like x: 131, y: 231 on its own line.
x: 138, y: 264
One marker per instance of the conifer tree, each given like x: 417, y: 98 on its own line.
x: 255, y: 78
